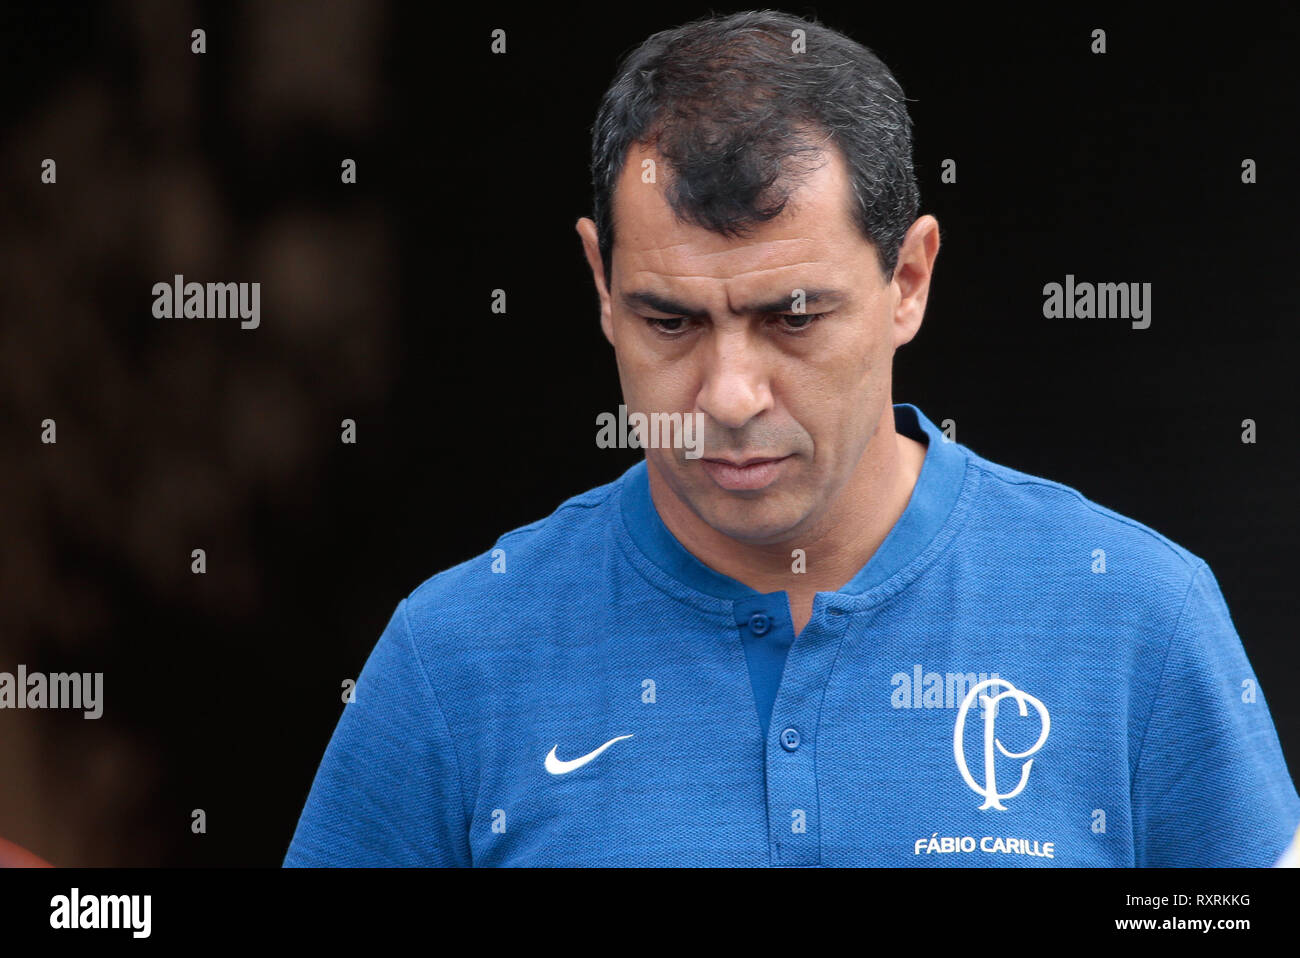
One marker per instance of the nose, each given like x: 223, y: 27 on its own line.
x: 736, y: 385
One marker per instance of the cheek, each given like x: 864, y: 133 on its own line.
x: 833, y: 399
x: 849, y: 370
x: 667, y: 376
x: 868, y: 362
x: 634, y: 362
x: 650, y: 384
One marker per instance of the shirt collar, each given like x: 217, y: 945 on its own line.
x: 935, y: 494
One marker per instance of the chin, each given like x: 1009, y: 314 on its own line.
x: 746, y: 521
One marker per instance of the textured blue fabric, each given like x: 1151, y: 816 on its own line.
x: 1018, y: 677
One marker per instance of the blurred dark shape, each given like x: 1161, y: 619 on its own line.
x: 175, y: 434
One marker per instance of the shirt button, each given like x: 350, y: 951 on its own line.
x: 790, y: 739
x: 759, y: 623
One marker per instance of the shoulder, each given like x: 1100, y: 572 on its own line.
x: 1056, y: 528
x: 524, y: 564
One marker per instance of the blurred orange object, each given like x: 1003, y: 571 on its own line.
x: 12, y: 856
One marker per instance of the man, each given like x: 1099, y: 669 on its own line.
x: 835, y: 639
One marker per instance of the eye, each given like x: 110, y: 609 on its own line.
x: 670, y: 326
x: 798, y: 322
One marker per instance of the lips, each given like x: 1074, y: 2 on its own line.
x: 744, y: 475
x: 741, y: 464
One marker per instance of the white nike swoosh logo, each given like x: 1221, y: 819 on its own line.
x: 557, y: 767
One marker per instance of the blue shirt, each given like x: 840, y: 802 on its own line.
x: 1017, y: 677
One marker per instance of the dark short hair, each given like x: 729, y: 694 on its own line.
x: 738, y: 116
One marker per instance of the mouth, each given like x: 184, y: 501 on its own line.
x: 745, y: 463
x: 745, y: 474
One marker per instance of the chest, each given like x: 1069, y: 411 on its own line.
x: 657, y: 758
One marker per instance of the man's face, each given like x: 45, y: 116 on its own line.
x: 709, y: 324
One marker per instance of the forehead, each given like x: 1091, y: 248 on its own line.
x: 813, y: 241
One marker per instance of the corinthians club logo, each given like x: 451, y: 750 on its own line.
x: 992, y: 799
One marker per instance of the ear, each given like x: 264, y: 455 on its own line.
x: 912, y: 277
x: 591, y: 246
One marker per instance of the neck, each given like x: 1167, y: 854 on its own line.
x: 837, y: 543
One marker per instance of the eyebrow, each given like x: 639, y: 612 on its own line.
x: 662, y: 304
